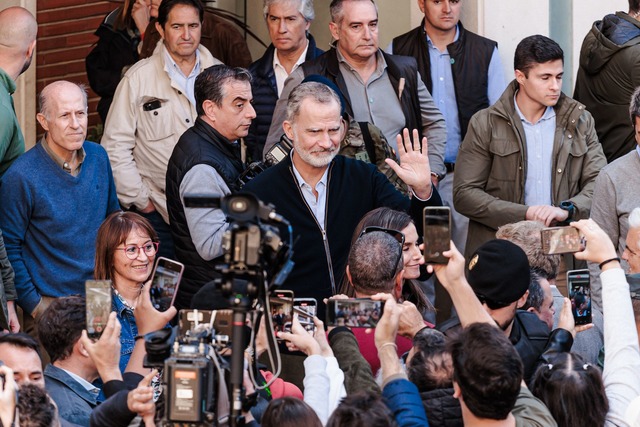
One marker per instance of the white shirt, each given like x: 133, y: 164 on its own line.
x: 185, y: 83
x: 281, y: 73
x: 317, y: 205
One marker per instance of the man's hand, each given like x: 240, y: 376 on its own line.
x: 141, y: 15
x: 411, y: 320
x: 387, y: 327
x: 14, y: 324
x: 451, y: 273
x: 140, y: 399
x: 105, y: 352
x: 8, y: 396
x: 599, y: 247
x: 150, y: 208
x: 300, y: 339
x: 148, y: 319
x: 548, y: 215
x: 567, y: 322
x: 414, y: 169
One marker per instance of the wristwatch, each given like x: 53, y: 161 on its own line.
x: 569, y: 207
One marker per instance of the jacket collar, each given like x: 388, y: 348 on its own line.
x: 63, y: 377
x: 212, y: 136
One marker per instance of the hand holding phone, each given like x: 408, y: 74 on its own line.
x: 164, y: 283
x: 98, y: 306
x: 306, y: 309
x: 437, y: 234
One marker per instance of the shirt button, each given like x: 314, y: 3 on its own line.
x: 370, y: 100
x: 570, y: 136
x: 188, y: 121
x: 155, y: 113
x: 559, y: 170
x: 441, y: 79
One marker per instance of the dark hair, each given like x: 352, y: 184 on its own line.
x: 61, y: 325
x: 36, y: 407
x: 362, y: 409
x: 634, y: 5
x: 210, y: 84
x: 289, y: 412
x: 124, y: 20
x: 21, y: 340
x: 373, y: 262
x: 112, y: 232
x: 536, y: 293
x: 534, y: 50
x: 430, y: 368
x: 487, y: 369
x: 167, y: 5
x: 572, y: 389
x: 394, y: 220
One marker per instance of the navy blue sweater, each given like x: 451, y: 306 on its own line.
x: 50, y: 219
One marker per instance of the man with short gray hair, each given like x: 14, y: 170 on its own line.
x: 384, y: 90
x: 288, y: 22
x: 615, y: 195
x: 324, y: 195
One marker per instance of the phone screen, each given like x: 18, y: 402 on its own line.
x: 354, y: 313
x: 579, y: 286
x: 560, y: 240
x: 164, y: 285
x: 98, y: 297
x: 281, y: 303
x: 306, y: 309
x: 437, y: 234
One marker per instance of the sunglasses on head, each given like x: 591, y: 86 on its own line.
x: 397, y: 235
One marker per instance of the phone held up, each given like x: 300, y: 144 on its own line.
x: 560, y: 240
x: 579, y: 287
x: 164, y: 284
x: 354, y: 313
x: 437, y: 234
x: 98, y: 307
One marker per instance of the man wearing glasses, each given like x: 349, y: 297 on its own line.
x: 324, y: 195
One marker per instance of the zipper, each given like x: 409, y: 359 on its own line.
x: 325, y: 242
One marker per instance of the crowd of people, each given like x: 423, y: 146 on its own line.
x: 364, y: 140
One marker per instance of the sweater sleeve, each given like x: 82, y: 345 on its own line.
x: 6, y: 273
x: 317, y: 386
x: 403, y: 399
x: 336, y: 384
x: 621, y: 373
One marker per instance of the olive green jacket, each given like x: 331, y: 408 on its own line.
x: 491, y: 165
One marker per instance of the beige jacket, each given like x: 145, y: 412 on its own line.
x: 139, y: 142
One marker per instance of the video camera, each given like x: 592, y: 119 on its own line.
x: 275, y: 155
x: 256, y: 260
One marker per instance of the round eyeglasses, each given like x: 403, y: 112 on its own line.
x: 132, y: 251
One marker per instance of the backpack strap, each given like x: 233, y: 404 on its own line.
x: 368, y: 142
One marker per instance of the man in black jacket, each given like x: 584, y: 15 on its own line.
x: 207, y: 160
x: 288, y: 22
x: 324, y: 195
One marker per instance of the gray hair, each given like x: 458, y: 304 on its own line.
x: 634, y: 218
x: 634, y: 106
x: 335, y: 9
x: 371, y: 262
x: 318, y: 92
x: 44, y: 96
x: 305, y: 8
x: 526, y: 234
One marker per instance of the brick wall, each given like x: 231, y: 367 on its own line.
x: 65, y: 37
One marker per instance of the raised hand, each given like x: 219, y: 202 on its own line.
x: 414, y: 169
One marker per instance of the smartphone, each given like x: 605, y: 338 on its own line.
x: 437, y: 234
x: 98, y: 307
x: 354, y: 313
x: 281, y: 303
x: 151, y: 105
x: 306, y: 309
x: 164, y: 283
x: 560, y: 240
x: 579, y: 287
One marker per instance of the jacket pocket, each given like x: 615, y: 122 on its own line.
x: 155, y: 119
x: 506, y: 160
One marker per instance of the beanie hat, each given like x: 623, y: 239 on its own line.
x: 499, y: 272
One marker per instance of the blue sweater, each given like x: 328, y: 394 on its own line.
x: 50, y: 220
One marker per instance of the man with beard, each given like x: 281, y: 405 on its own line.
x: 324, y: 195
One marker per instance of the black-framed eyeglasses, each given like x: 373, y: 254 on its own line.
x: 397, y: 235
x: 132, y: 251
